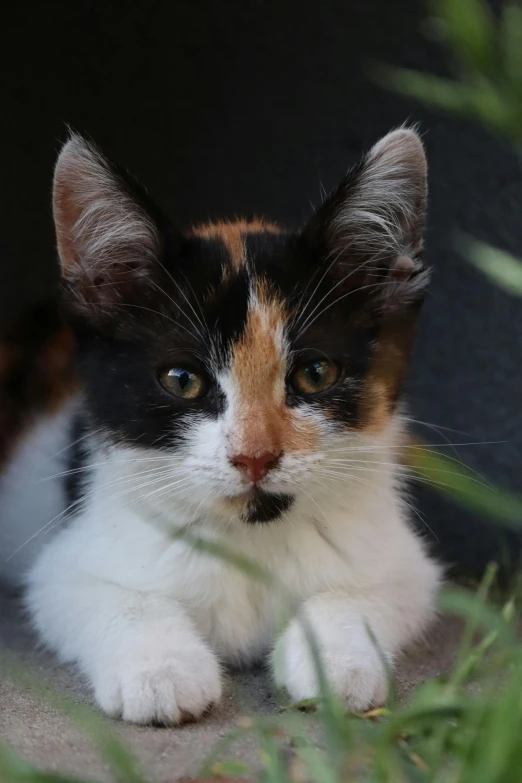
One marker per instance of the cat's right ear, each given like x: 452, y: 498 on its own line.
x: 108, y: 239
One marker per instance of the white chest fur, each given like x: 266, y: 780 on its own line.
x: 141, y: 610
x: 237, y: 612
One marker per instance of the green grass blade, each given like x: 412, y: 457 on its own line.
x: 511, y: 46
x: 274, y: 767
x: 317, y: 763
x: 470, y: 31
x: 461, y: 484
x: 478, y: 601
x: 14, y: 769
x: 461, y: 603
x: 432, y: 90
x: 500, y: 267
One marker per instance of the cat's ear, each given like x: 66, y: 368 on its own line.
x: 108, y: 240
x: 370, y: 229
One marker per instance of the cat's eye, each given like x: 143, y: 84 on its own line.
x: 315, y: 376
x: 184, y: 383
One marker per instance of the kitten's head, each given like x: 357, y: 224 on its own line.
x: 238, y: 357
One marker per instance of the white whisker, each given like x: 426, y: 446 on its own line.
x: 308, y: 323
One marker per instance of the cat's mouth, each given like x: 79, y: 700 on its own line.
x: 258, y: 506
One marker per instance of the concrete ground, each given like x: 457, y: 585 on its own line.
x: 49, y: 740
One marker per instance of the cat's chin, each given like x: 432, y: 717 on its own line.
x: 257, y: 506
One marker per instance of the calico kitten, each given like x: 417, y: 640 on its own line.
x: 238, y: 383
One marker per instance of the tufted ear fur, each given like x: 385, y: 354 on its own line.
x: 107, y: 235
x: 370, y: 229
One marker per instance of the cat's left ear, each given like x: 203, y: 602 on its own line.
x: 370, y: 230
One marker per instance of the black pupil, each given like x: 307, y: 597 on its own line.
x: 183, y: 379
x: 315, y: 373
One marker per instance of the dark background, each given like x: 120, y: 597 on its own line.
x: 246, y: 106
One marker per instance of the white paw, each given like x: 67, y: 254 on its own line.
x: 353, y: 668
x: 158, y: 680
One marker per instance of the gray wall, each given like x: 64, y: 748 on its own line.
x: 246, y: 106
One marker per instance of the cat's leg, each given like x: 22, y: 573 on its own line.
x: 139, y: 650
x: 353, y: 661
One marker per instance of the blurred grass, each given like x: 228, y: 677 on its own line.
x: 500, y: 267
x: 465, y: 727
x: 485, y: 54
x: 461, y: 485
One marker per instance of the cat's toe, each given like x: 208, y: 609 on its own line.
x: 167, y: 687
x: 168, y: 695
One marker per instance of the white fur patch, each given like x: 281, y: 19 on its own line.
x: 29, y: 500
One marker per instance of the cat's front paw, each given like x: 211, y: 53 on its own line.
x: 353, y: 668
x: 157, y: 682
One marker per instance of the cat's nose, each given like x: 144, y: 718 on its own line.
x: 255, y: 468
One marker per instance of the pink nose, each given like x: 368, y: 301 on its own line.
x: 255, y: 468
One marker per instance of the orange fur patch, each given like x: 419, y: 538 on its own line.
x: 263, y: 422
x: 232, y: 235
x: 386, y: 373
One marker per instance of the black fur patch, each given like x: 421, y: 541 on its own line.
x: 78, y: 475
x: 266, y: 506
x: 192, y: 307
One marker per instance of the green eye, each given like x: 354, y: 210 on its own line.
x: 183, y: 383
x: 314, y: 377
